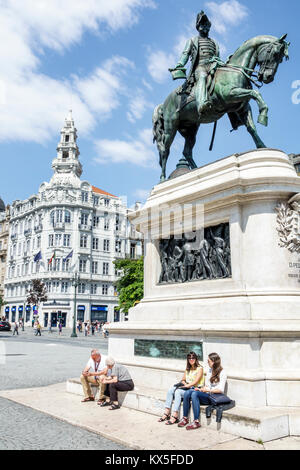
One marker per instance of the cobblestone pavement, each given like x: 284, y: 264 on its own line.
x: 22, y: 428
x: 29, y: 361
x: 92, y: 341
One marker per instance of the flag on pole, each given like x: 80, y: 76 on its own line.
x: 38, y: 257
x: 52, y: 257
x: 69, y: 256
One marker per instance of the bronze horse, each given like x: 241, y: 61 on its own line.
x: 231, y: 92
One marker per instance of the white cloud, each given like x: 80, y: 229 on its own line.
x: 142, y: 194
x: 32, y: 104
x: 101, y: 91
x: 228, y: 13
x: 138, y: 106
x: 139, y: 151
x: 158, y: 64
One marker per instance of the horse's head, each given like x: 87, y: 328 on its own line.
x: 270, y: 55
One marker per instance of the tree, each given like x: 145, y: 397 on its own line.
x: 2, y: 303
x: 37, y: 293
x: 130, y: 286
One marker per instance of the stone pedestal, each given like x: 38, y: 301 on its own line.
x: 251, y: 319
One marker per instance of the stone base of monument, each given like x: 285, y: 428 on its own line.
x: 262, y: 424
x: 239, y: 292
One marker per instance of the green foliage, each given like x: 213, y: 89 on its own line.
x: 1, y: 302
x: 130, y: 286
x: 37, y: 293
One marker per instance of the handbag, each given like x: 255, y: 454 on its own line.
x: 181, y: 386
x: 219, y: 399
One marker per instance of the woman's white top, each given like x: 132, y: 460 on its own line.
x: 217, y: 385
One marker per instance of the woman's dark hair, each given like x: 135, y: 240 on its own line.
x: 192, y: 355
x: 216, y: 368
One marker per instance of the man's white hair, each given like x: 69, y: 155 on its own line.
x: 110, y: 361
x: 95, y: 352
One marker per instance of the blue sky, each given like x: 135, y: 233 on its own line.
x: 108, y: 61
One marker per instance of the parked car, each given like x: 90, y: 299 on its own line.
x: 5, y: 325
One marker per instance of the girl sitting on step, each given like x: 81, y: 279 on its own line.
x: 193, y: 377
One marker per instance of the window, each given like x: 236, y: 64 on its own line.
x: 106, y: 202
x: 51, y: 240
x: 67, y: 138
x: 104, y: 289
x: 67, y: 240
x: 84, y: 219
x: 96, y: 200
x: 95, y: 243
x: 93, y: 289
x: 105, y: 245
x: 82, y: 265
x: 94, y: 267
x: 95, y: 221
x: 81, y: 288
x: 67, y: 217
x: 65, y: 155
x: 118, y: 246
x: 117, y: 222
x: 84, y: 196
x: 58, y: 239
x: 105, y: 268
x: 64, y: 287
x: 106, y: 222
x: 38, y: 242
x: 83, y: 241
x: 66, y: 265
x: 132, y: 250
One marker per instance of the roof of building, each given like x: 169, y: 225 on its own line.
x: 100, y: 191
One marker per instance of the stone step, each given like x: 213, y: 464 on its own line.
x: 260, y: 424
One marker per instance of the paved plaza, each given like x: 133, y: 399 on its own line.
x: 38, y: 413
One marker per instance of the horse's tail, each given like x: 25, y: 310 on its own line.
x: 158, y: 128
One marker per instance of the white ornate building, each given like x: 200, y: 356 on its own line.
x: 4, y: 230
x: 83, y: 229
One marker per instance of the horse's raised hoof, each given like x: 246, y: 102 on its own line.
x: 263, y: 119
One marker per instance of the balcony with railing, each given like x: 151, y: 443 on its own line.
x: 38, y: 228
x: 84, y: 227
x: 58, y: 225
x: 28, y: 232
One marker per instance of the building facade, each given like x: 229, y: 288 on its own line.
x: 70, y: 228
x: 4, y: 232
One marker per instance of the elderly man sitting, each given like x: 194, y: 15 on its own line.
x: 92, y: 373
x: 118, y: 378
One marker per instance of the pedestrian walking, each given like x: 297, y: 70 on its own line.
x: 16, y: 328
x: 38, y: 329
x: 93, y: 329
x: 85, y: 329
x: 60, y: 328
x: 49, y: 327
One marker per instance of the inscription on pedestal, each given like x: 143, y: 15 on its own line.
x: 167, y: 349
x: 294, y: 270
x: 198, y: 258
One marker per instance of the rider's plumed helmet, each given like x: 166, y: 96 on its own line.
x: 202, y: 19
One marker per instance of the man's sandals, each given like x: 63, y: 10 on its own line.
x: 114, y: 407
x: 88, y: 399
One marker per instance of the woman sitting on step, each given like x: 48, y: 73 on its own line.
x: 193, y: 377
x: 215, y: 382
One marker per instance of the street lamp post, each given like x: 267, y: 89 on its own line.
x: 75, y: 282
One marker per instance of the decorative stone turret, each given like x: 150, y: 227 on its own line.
x: 67, y: 161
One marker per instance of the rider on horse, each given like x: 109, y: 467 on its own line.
x: 204, y: 54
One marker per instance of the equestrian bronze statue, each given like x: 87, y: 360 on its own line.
x: 214, y: 88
